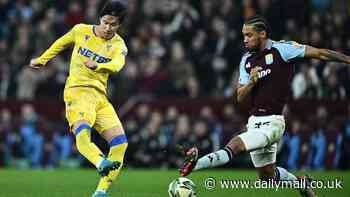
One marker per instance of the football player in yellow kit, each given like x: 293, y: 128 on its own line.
x: 98, y: 52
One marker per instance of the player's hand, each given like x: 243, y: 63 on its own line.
x: 254, y: 74
x: 35, y: 64
x: 90, y: 64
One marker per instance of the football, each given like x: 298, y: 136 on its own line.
x: 182, y: 187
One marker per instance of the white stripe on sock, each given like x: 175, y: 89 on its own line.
x: 211, y: 160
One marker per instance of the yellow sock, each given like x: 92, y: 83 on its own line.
x: 116, y: 153
x: 84, y: 145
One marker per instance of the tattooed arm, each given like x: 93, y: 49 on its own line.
x: 326, y: 54
x: 244, y: 90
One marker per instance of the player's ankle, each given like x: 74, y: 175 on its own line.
x: 98, y: 165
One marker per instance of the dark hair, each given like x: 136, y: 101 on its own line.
x: 115, y: 8
x: 259, y: 24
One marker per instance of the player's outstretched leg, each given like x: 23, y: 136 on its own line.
x: 218, y: 158
x: 89, y: 150
x: 118, y: 146
x: 270, y: 171
x: 283, y: 175
x: 191, y: 158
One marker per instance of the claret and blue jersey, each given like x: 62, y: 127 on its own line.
x: 273, y: 87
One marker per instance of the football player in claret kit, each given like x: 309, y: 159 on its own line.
x: 98, y: 52
x: 266, y: 71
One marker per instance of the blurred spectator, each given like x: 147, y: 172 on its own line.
x: 28, y: 81
x: 294, y: 145
x: 152, y: 148
x: 202, y: 135
x: 339, y: 141
x: 192, y: 88
x: 232, y: 123
x: 318, y: 141
x: 214, y: 130
x: 91, y: 11
x: 183, y: 136
x: 43, y: 37
x: 346, y: 141
x: 169, y: 123
x: 134, y: 125
x: 32, y: 140
x: 177, y: 45
x: 75, y: 14
x: 62, y: 143
x: 4, y: 78
x: 130, y: 73
x: 332, y: 89
x: 305, y: 83
x: 8, y: 138
x: 179, y: 68
x: 317, y: 150
x: 153, y: 80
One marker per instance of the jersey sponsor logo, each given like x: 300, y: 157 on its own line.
x: 264, y: 73
x: 268, y: 59
x: 92, y: 55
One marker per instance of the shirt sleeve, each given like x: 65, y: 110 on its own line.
x: 290, y: 50
x: 59, y: 45
x: 117, y: 62
x: 243, y: 75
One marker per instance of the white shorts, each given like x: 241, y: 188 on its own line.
x: 261, y: 138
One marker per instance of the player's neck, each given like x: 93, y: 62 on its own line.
x: 263, y: 45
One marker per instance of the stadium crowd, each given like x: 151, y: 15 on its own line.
x: 316, y: 142
x: 177, y: 48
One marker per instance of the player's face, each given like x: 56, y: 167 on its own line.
x: 252, y: 38
x: 109, y: 25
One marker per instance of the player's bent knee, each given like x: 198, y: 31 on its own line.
x: 110, y: 134
x: 79, y: 126
x: 236, y: 145
x: 82, y: 136
x: 118, y: 140
x: 82, y: 128
x: 118, y: 146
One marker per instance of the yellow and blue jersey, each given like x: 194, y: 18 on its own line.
x: 108, y: 54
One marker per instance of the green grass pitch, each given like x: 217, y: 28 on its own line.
x: 143, y: 183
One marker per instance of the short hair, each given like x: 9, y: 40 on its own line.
x: 115, y: 8
x: 259, y: 24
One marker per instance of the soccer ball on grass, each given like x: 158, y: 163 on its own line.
x: 182, y: 187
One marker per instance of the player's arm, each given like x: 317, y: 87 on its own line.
x: 115, y: 65
x: 326, y: 54
x: 59, y: 45
x: 244, y: 90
